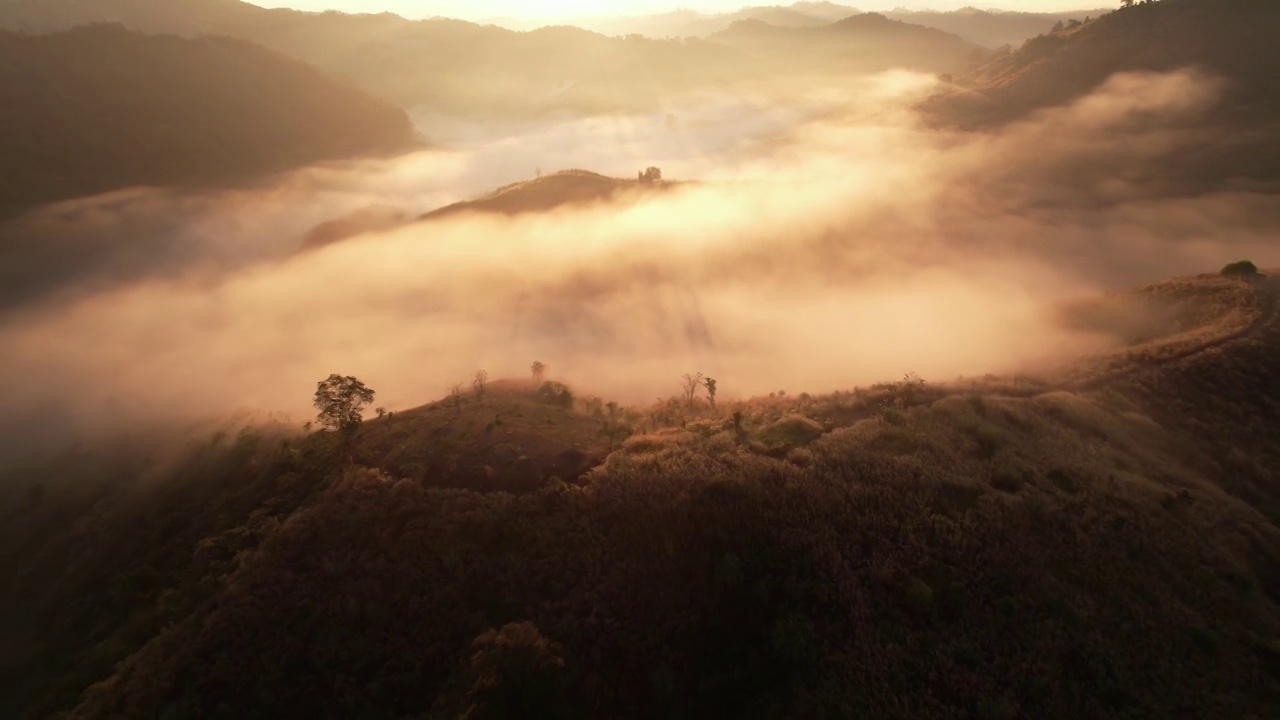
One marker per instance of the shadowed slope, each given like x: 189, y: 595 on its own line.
x: 101, y: 108
x: 1228, y: 41
x: 1230, y: 38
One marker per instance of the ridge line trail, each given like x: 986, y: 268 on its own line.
x: 1041, y: 385
x: 1259, y: 326
x: 1267, y: 321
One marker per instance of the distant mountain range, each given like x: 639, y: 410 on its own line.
x: 994, y: 28
x: 457, y: 67
x: 867, y: 42
x: 988, y: 28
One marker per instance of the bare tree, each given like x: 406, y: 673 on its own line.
x: 613, y: 429
x: 710, y: 385
x: 478, y: 384
x: 539, y: 370
x: 691, y: 385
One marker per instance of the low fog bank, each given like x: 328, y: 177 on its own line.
x: 832, y: 244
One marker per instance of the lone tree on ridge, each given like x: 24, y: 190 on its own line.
x: 341, y: 399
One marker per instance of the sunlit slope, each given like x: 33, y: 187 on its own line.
x: 561, y: 189
x: 100, y: 108
x: 564, y: 189
x: 888, y: 549
x: 1166, y: 321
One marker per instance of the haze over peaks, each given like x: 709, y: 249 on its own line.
x: 560, y: 9
x: 456, y: 67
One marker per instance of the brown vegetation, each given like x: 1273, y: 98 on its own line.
x: 917, y: 551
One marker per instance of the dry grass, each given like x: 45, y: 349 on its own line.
x: 1166, y: 321
x: 564, y: 188
x: 929, y: 552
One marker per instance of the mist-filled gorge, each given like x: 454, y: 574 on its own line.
x: 850, y: 366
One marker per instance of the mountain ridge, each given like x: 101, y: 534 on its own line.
x: 982, y: 482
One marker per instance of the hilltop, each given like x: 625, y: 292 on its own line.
x: 548, y: 192
x: 566, y: 188
x: 99, y: 108
x: 1097, y: 545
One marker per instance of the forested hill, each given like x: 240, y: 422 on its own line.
x: 1228, y: 44
x: 1099, y: 545
x: 100, y: 107
x: 1234, y: 39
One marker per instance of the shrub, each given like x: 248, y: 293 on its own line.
x: 988, y: 439
x: 554, y: 393
x: 790, y: 432
x: 1244, y: 267
x: 892, y: 415
x: 800, y: 457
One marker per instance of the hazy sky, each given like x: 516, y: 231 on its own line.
x: 561, y: 8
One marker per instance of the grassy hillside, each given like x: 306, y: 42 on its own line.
x: 564, y: 188
x: 364, y: 220
x: 100, y: 108
x: 1001, y: 548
